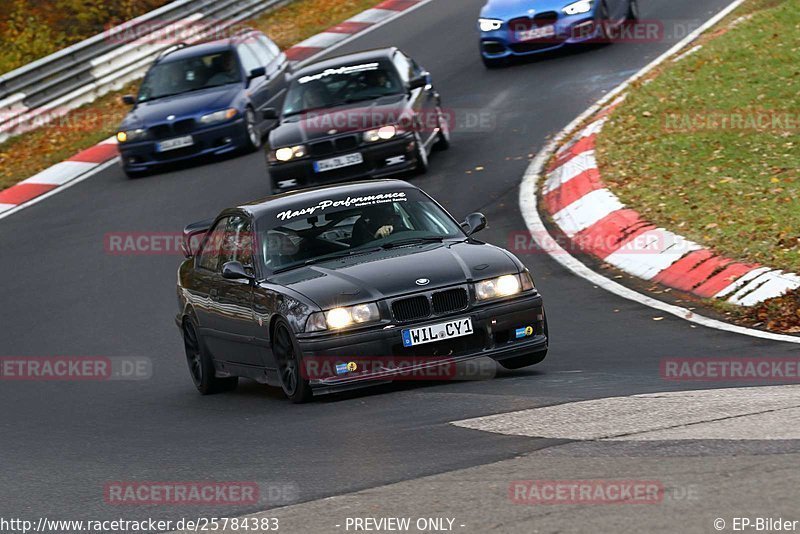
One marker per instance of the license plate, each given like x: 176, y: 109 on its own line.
x: 536, y: 33
x: 338, y: 162
x: 173, y: 144
x: 437, y: 332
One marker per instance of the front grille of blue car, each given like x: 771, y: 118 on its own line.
x: 172, y: 129
x: 545, y: 18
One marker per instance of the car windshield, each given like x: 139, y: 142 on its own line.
x: 341, y: 227
x: 190, y: 74
x: 341, y: 85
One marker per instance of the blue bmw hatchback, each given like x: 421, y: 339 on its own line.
x: 510, y: 28
x: 201, y: 100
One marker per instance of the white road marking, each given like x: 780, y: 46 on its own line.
x: 60, y: 173
x: 658, y: 250
x: 574, y: 167
x: 586, y: 211
x: 769, y: 412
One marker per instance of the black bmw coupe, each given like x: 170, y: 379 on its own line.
x: 342, y: 286
x: 366, y: 115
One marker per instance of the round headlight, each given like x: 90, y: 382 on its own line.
x: 122, y: 137
x: 361, y: 313
x: 338, y: 318
x: 387, y: 132
x: 284, y: 154
x: 508, y: 285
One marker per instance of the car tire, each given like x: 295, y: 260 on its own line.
x: 526, y: 360
x: 604, y: 20
x: 289, y: 361
x: 253, y: 140
x: 443, y: 141
x: 201, y: 368
x: 633, y: 11
x: 421, y: 155
x: 494, y: 63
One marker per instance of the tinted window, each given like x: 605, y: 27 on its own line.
x: 341, y: 85
x: 345, y: 226
x: 189, y: 74
x: 403, y: 66
x: 209, y: 256
x: 248, y: 58
x: 263, y: 53
x: 272, y: 47
x: 237, y: 244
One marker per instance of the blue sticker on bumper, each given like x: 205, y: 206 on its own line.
x: 407, y: 338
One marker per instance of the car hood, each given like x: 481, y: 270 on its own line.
x: 357, y: 117
x: 183, y: 106
x: 394, y: 272
x: 507, y: 9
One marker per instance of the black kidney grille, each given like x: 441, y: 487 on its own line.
x: 161, y: 131
x: 411, y: 308
x: 184, y: 127
x: 450, y: 300
x: 346, y: 143
x: 323, y: 148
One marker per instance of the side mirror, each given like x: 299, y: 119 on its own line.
x: 417, y: 83
x: 474, y: 223
x: 257, y: 73
x: 269, y: 114
x: 129, y: 100
x: 233, y: 270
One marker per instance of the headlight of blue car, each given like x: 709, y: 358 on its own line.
x: 577, y: 8
x: 489, y: 25
x: 127, y: 136
x: 219, y: 116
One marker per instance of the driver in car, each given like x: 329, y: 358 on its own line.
x: 376, y: 222
x: 225, y: 70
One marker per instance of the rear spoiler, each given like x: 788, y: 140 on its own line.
x: 193, y: 236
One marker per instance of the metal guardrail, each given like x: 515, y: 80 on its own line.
x: 50, y: 87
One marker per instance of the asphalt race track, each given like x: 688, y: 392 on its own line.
x: 63, y: 294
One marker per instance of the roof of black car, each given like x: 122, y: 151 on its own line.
x: 313, y: 196
x: 349, y: 59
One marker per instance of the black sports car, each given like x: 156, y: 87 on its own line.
x: 365, y: 115
x: 340, y: 286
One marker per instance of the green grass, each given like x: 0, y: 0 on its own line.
x: 736, y: 190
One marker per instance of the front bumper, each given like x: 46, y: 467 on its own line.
x: 380, y: 160
x: 569, y: 29
x: 210, y: 141
x: 496, y: 335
